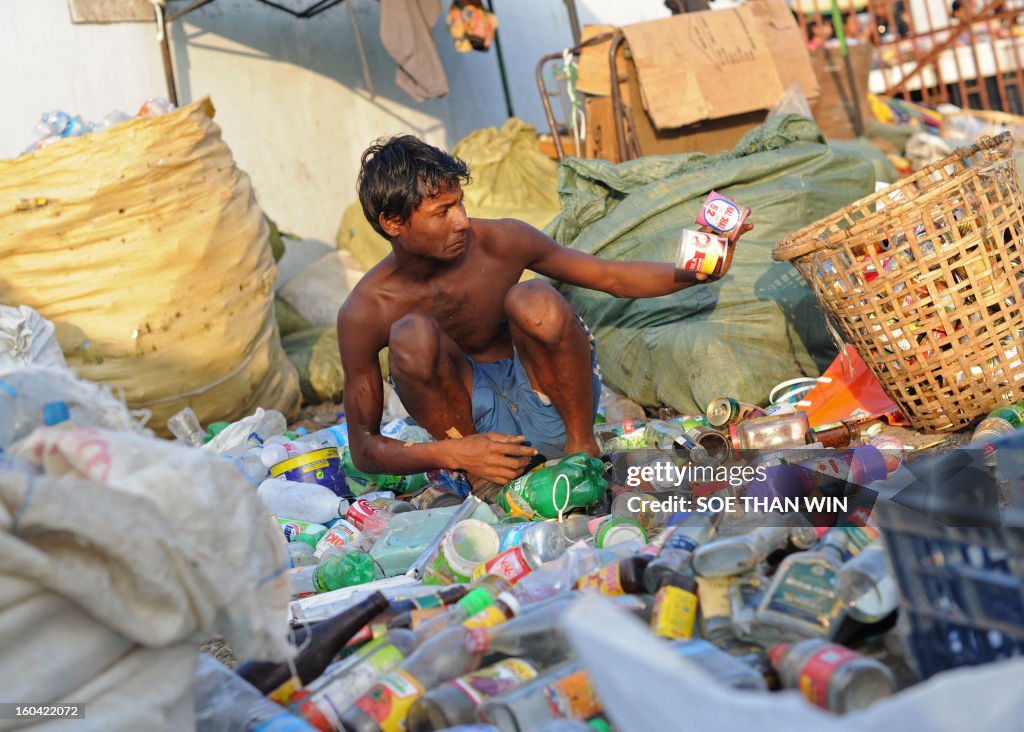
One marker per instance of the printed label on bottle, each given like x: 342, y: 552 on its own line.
x: 679, y: 541
x: 859, y: 537
x: 510, y: 564
x: 675, y: 612
x: 336, y: 698
x: 388, y: 703
x: 714, y: 596
x: 607, y: 580
x: 494, y: 680
x: 284, y: 693
x: 573, y: 697
x: 428, y: 602
x: 514, y: 537
x: 418, y: 617
x: 807, y: 592
x: 517, y: 505
x: 817, y: 672
x: 486, y: 618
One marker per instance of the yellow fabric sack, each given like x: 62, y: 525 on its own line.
x: 145, y: 246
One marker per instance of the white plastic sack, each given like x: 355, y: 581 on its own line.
x: 26, y: 337
x: 262, y: 423
x: 319, y: 290
x: 644, y: 687
x: 116, y: 562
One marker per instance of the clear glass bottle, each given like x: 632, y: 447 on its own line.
x: 803, y: 598
x: 677, y: 550
x: 867, y: 589
x: 776, y: 432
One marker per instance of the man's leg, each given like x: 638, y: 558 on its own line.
x: 555, y: 354
x: 432, y: 377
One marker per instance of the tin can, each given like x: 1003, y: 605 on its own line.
x: 724, y: 411
x: 702, y: 253
x: 722, y: 215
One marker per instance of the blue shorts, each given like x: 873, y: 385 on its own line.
x: 504, y: 401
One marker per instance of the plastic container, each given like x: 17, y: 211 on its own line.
x: 322, y: 467
x: 958, y: 566
x: 408, y: 534
x: 469, y: 544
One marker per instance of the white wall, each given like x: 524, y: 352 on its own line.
x: 289, y: 93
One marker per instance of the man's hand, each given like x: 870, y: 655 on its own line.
x: 491, y: 456
x: 700, y: 276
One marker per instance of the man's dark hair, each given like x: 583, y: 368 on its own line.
x: 397, y: 173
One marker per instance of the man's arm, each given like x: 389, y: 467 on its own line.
x: 492, y: 456
x: 619, y: 278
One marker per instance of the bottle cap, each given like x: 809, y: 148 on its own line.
x: 598, y: 724
x: 619, y: 531
x: 509, y: 600
x: 55, y: 413
x: 476, y: 600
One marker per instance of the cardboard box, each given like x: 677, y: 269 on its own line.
x: 835, y: 105
x: 700, y: 81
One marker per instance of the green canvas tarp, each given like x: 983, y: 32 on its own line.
x: 739, y: 337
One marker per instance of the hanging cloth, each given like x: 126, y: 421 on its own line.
x: 405, y: 32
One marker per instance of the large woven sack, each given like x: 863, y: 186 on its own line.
x: 145, y: 246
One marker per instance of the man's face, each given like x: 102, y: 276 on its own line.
x: 437, y: 229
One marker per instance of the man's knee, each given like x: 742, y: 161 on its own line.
x: 539, y: 310
x: 413, y: 347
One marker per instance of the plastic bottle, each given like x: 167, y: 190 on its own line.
x: 548, y: 539
x: 185, y: 426
x: 566, y: 691
x: 302, y: 501
x: 456, y: 702
x: 463, y: 548
x: 325, y: 701
x: 225, y: 702
x: 303, y: 531
x: 563, y: 573
x: 609, y: 530
x: 360, y: 482
x: 677, y: 549
x: 620, y: 577
x: 333, y: 436
x: 321, y: 644
x: 724, y: 667
x: 739, y: 553
x: 351, y: 568
x: 641, y: 507
x: 832, y: 676
x: 575, y: 481
x: 776, y: 432
x: 340, y: 538
x: 301, y: 554
x: 867, y: 588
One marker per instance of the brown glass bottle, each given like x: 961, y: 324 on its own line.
x: 319, y: 648
x: 837, y: 435
x: 622, y: 577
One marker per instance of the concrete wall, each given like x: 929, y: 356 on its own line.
x: 290, y: 94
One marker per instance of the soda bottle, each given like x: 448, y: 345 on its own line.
x: 621, y: 577
x: 566, y: 691
x: 319, y: 647
x: 677, y: 549
x: 225, y: 702
x: 185, y: 426
x: 456, y: 702
x: 564, y: 572
x: 304, y: 531
x: 361, y: 482
x: 302, y: 501
x: 548, y: 539
x: 351, y: 568
x: 832, y: 676
x: 575, y: 481
x: 324, y: 701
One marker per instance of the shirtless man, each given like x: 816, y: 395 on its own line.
x: 482, y: 361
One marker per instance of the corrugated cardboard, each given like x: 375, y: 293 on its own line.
x: 705, y: 78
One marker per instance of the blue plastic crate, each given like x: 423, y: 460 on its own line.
x: 958, y: 560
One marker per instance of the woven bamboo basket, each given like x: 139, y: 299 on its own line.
x: 970, y: 124
x: 924, y: 280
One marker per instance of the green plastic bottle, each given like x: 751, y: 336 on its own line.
x: 360, y: 482
x: 541, y: 493
x: 352, y: 568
